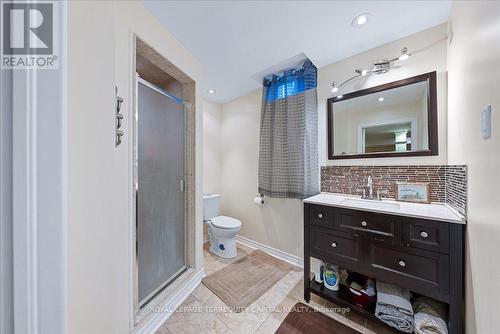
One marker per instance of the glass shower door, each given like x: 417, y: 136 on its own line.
x: 160, y: 196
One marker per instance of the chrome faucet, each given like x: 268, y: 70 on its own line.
x: 370, y: 187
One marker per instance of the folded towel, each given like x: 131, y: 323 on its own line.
x: 401, y: 321
x: 430, y: 316
x: 393, y: 295
x: 393, y: 307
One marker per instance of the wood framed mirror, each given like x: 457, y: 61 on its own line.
x: 397, y: 119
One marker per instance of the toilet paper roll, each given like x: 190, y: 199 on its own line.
x: 258, y: 200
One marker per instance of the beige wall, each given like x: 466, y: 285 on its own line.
x: 429, y: 48
x: 212, y: 158
x: 99, y: 175
x: 212, y: 125
x: 474, y: 76
x: 279, y: 222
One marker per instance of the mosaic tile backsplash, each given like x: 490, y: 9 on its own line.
x: 456, y: 187
x: 448, y: 183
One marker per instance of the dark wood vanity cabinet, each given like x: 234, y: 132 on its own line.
x: 424, y: 256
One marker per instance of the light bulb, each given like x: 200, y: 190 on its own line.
x: 381, y: 99
x: 334, y: 87
x: 360, y: 20
x: 404, y: 54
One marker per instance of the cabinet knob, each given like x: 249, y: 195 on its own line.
x: 402, y: 263
x: 424, y: 234
x: 320, y: 215
x: 334, y: 244
x: 364, y: 224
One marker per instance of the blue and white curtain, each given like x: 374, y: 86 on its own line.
x: 288, y: 156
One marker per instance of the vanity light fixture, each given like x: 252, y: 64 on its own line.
x: 334, y: 87
x: 211, y: 91
x: 381, y: 99
x: 379, y: 67
x: 404, y: 54
x: 360, y: 20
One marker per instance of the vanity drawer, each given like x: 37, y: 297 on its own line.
x: 422, y: 271
x: 322, y: 216
x: 376, y: 226
x: 333, y: 247
x: 428, y: 235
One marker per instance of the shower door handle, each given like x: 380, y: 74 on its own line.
x: 182, y: 185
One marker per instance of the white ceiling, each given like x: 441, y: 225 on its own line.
x: 236, y: 41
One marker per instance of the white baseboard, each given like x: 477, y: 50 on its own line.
x: 156, y: 320
x: 295, y: 260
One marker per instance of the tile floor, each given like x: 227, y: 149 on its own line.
x: 203, y: 312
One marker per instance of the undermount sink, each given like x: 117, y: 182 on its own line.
x: 366, y: 203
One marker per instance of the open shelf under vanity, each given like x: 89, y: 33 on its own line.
x: 341, y: 298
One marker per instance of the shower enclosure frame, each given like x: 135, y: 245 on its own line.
x: 172, y: 291
x: 152, y: 295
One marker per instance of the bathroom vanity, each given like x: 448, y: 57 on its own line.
x: 416, y: 246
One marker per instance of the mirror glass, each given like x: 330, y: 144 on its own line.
x: 389, y: 121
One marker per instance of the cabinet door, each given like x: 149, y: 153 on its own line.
x: 423, y: 234
x: 421, y: 271
x: 335, y: 248
x: 322, y: 216
x: 378, y: 226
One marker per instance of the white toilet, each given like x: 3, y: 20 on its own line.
x: 222, y: 230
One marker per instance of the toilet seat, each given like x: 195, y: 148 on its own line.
x: 225, y: 222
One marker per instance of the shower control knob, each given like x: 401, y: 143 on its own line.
x: 334, y: 244
x: 119, y: 101
x: 320, y: 215
x: 364, y: 224
x: 119, y: 135
x: 402, y: 263
x: 424, y: 234
x: 119, y: 118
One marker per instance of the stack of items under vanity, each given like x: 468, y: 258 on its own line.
x: 393, y: 305
x: 399, y: 309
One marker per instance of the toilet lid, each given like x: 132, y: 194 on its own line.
x: 225, y: 222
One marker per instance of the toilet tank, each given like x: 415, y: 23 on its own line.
x: 210, y: 206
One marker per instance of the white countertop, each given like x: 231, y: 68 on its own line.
x: 433, y: 211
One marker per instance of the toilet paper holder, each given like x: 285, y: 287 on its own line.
x: 259, y: 200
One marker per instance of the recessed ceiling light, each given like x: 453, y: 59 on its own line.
x: 211, y: 91
x: 381, y: 99
x: 360, y: 20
